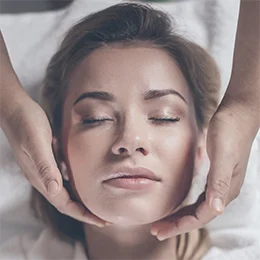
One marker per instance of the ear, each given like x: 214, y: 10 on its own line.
x: 59, y: 158
x: 200, y: 150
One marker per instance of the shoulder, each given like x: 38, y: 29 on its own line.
x: 45, y: 245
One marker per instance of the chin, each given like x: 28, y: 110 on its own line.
x: 129, y: 214
x: 131, y: 208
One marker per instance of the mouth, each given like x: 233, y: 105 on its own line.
x: 132, y: 173
x: 131, y: 179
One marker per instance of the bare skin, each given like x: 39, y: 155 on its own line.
x: 231, y: 131
x: 129, y: 137
x: 225, y: 178
x: 32, y: 142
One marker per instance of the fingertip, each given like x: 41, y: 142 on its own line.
x: 161, y: 238
x: 162, y: 235
x: 53, y: 187
x: 217, y: 205
x: 100, y: 225
x: 95, y: 223
x: 154, y: 231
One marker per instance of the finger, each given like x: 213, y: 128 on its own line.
x: 50, y: 184
x: 199, y: 214
x: 45, y: 167
x: 62, y: 202
x: 222, y: 154
x: 186, y: 219
x: 65, y: 205
x: 48, y: 177
x: 218, y: 182
x: 204, y: 210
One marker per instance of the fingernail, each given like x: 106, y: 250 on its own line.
x: 217, y: 204
x: 52, y: 187
x: 99, y: 225
x: 161, y: 237
x: 154, y: 232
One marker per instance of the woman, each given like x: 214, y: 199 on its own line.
x: 129, y: 102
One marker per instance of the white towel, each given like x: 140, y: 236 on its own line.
x: 31, y: 40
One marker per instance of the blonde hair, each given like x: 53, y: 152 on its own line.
x: 126, y: 24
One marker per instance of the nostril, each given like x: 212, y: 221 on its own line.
x: 142, y: 150
x: 121, y: 150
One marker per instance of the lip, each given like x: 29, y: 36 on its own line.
x: 137, y: 172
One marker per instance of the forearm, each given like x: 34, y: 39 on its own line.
x: 11, y: 91
x: 244, y: 85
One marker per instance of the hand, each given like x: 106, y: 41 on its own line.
x: 30, y: 136
x: 29, y: 133
x: 229, y: 140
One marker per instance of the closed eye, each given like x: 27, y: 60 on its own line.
x: 165, y: 120
x: 95, y: 120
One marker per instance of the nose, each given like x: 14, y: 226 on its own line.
x: 133, y: 137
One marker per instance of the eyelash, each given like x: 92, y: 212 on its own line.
x: 165, y: 120
x: 93, y: 120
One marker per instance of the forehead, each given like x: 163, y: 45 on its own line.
x: 127, y: 70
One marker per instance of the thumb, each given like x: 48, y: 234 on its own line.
x: 46, y: 175
x: 220, y: 150
x: 218, y: 183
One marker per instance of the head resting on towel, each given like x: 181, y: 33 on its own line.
x: 124, y: 89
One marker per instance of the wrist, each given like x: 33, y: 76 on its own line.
x: 244, y: 113
x: 12, y: 100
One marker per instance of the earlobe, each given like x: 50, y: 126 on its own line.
x: 64, y: 171
x: 55, y: 146
x: 202, y: 143
x: 59, y: 159
x: 201, y: 150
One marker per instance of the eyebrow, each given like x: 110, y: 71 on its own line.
x: 148, y: 95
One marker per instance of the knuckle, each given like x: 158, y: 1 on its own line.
x: 176, y: 224
x: 221, y: 187
x: 45, y: 171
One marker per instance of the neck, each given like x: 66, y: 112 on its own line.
x: 127, y: 242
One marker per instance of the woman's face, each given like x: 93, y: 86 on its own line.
x: 146, y: 85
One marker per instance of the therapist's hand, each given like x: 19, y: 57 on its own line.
x: 230, y: 136
x: 28, y: 131
x: 231, y: 132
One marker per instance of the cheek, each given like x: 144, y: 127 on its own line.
x: 177, y: 152
x: 179, y: 156
x: 84, y: 156
x: 84, y: 150
x: 177, y: 148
